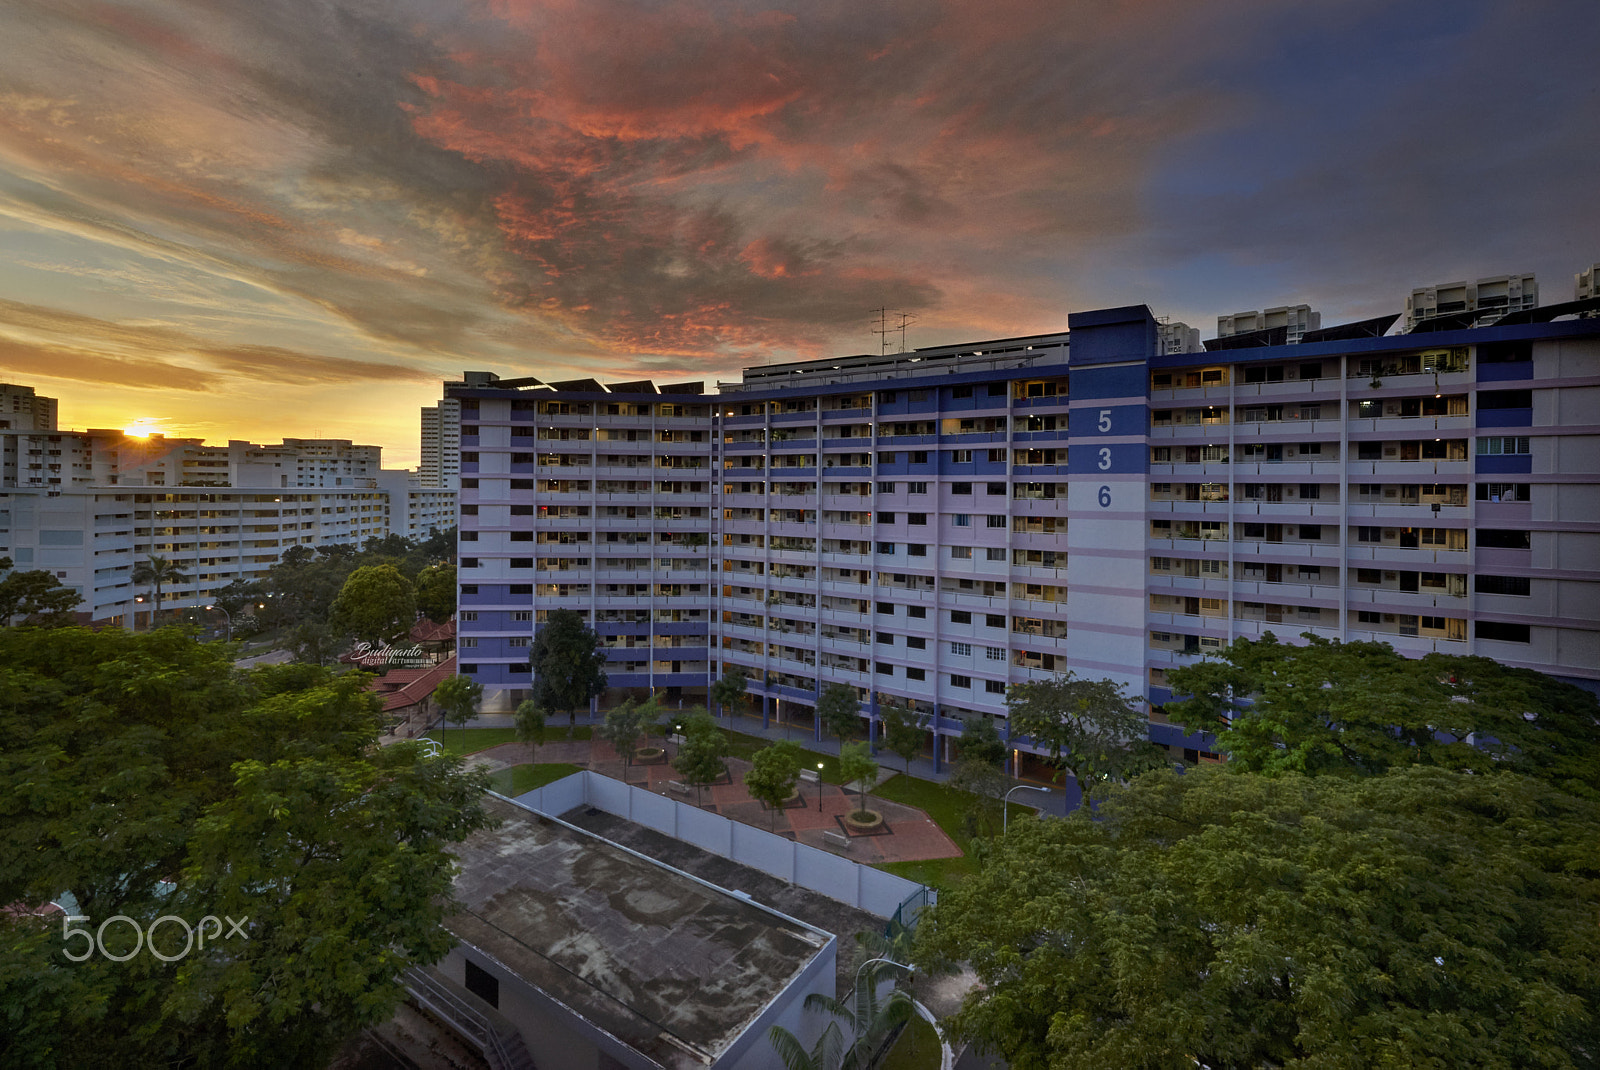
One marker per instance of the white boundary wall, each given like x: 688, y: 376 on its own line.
x: 838, y: 878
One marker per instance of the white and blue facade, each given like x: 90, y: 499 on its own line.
x: 933, y: 527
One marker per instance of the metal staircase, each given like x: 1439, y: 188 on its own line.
x: 501, y: 1044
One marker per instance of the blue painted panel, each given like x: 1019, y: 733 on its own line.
x: 1109, y: 460
x: 1505, y: 417
x: 1125, y: 420
x: 627, y: 679
x: 1108, y: 334
x: 1172, y: 736
x: 1132, y: 381
x: 1491, y: 464
x: 1503, y: 373
x: 489, y: 594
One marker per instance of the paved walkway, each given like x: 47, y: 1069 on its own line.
x: 911, y: 834
x: 1058, y: 799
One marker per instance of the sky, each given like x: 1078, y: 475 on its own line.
x: 295, y: 217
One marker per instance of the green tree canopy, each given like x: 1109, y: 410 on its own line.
x: 1361, y: 708
x: 728, y: 690
x: 839, y: 710
x: 144, y: 775
x: 774, y: 771
x: 458, y: 698
x: 567, y: 662
x: 700, y: 756
x: 980, y: 742
x: 436, y: 592
x: 376, y: 603
x: 621, y: 728
x: 1422, y: 918
x: 904, y: 731
x: 528, y: 723
x: 857, y: 765
x: 1092, y: 729
x: 34, y: 597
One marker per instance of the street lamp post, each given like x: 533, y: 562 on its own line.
x: 227, y: 619
x: 1005, y: 820
x: 819, y: 787
x: 890, y: 962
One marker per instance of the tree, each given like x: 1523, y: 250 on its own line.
x: 156, y: 573
x: 856, y: 764
x: 529, y: 726
x: 621, y: 729
x: 1360, y: 708
x: 567, y: 662
x: 904, y: 732
x: 1229, y: 919
x: 700, y: 755
x: 147, y: 777
x: 36, y: 597
x: 981, y: 743
x: 376, y: 603
x: 458, y: 697
x: 728, y: 690
x: 825, y: 1054
x: 436, y: 592
x: 774, y: 771
x: 839, y: 710
x: 1091, y: 728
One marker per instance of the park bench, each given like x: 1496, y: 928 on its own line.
x: 835, y: 839
x: 678, y: 786
x: 809, y: 776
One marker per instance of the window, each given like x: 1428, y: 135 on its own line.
x: 885, y: 669
x: 997, y: 456
x: 961, y: 391
x: 917, y: 519
x: 961, y: 456
x: 1367, y: 616
x: 1496, y: 445
x: 517, y: 588
x: 995, y: 553
x: 957, y: 680
x: 994, y: 687
x: 997, y: 488
x: 994, y: 653
x: 517, y: 642
x: 961, y: 488
x: 886, y: 548
x: 522, y: 614
x: 961, y: 650
x: 916, y: 674
x: 886, y: 607
x: 916, y: 612
x: 994, y: 620
x: 1311, y: 491
x: 994, y: 521
x: 468, y: 642
x: 961, y: 520
x: 469, y: 510
x: 522, y: 510
x: 960, y: 616
x: 886, y: 518
x: 1311, y: 531
x: 1504, y: 632
x: 886, y: 638
x: 961, y: 553
x: 1503, y: 492
x: 885, y: 488
x: 916, y: 549
x: 917, y: 487
x: 526, y: 562
x: 916, y: 642
x: 1501, y: 584
x: 472, y: 588
x: 471, y: 536
x: 1369, y: 534
x: 918, y: 457
x: 469, y: 484
x: 469, y: 562
x: 1503, y: 539
x: 468, y: 615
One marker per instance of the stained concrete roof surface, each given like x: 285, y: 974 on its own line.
x: 634, y: 947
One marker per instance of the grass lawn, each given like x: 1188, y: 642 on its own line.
x: 946, y: 806
x: 517, y: 779
x: 916, y: 1048
x: 743, y: 746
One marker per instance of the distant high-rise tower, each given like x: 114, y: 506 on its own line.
x: 1487, y: 299
x: 441, y: 435
x: 23, y: 410
x: 1297, y: 318
x: 1179, y: 338
x: 1586, y: 283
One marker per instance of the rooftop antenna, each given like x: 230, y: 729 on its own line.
x: 885, y: 328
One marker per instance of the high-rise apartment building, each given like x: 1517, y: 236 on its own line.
x: 1467, y: 303
x: 23, y: 410
x: 931, y: 528
x: 1290, y: 321
x: 1586, y: 283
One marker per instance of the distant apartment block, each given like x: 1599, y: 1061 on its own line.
x: 1293, y: 321
x: 1481, y: 303
x: 89, y: 505
x: 932, y: 528
x: 1586, y: 283
x: 23, y: 410
x: 1179, y: 338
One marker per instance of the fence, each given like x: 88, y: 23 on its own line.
x: 838, y: 878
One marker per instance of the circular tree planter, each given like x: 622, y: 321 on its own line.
x: 868, y: 821
x: 649, y: 756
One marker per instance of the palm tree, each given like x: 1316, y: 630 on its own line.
x: 157, y: 571
x: 869, y: 1020
x: 825, y: 1055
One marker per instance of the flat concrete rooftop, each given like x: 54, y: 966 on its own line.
x: 658, y: 959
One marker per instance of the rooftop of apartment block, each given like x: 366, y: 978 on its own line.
x: 671, y: 965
